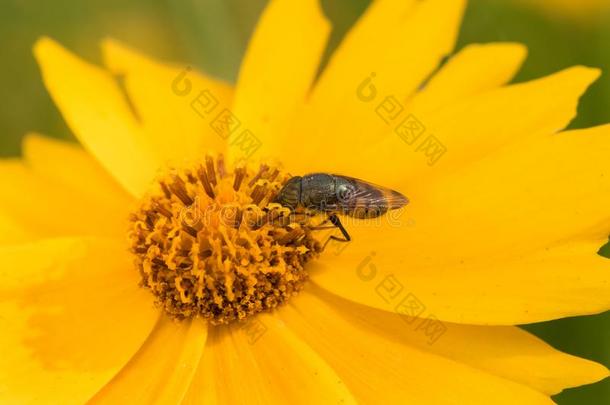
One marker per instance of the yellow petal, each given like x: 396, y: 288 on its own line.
x: 488, y: 245
x: 504, y: 351
x: 475, y: 69
x: 44, y: 207
x: 71, y: 166
x: 276, y: 74
x: 176, y: 105
x: 467, y: 130
x: 509, y: 239
x: 527, y: 196
x: 11, y: 231
x: 359, y: 53
x: 162, y: 370
x: 72, y: 316
x: 554, y: 282
x: 98, y: 113
x: 261, y: 362
x: 378, y: 367
x: 340, y: 116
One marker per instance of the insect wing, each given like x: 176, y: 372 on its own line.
x: 368, y: 195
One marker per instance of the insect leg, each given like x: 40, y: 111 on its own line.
x: 336, y: 223
x: 334, y: 219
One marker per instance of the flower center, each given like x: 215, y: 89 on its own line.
x: 210, y: 243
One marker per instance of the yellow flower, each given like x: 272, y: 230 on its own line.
x: 505, y: 220
x: 584, y: 10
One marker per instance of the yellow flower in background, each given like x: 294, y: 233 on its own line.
x: 584, y: 10
x: 506, y: 216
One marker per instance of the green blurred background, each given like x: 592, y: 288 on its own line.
x: 212, y: 34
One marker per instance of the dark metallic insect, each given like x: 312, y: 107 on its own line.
x: 335, y: 194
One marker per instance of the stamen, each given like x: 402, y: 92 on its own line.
x: 162, y: 210
x: 208, y: 243
x: 263, y: 168
x: 209, y: 163
x: 240, y: 173
x: 179, y: 189
x: 207, y: 186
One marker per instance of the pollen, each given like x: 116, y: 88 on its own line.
x: 211, y: 243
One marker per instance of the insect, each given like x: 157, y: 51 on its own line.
x: 334, y: 194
